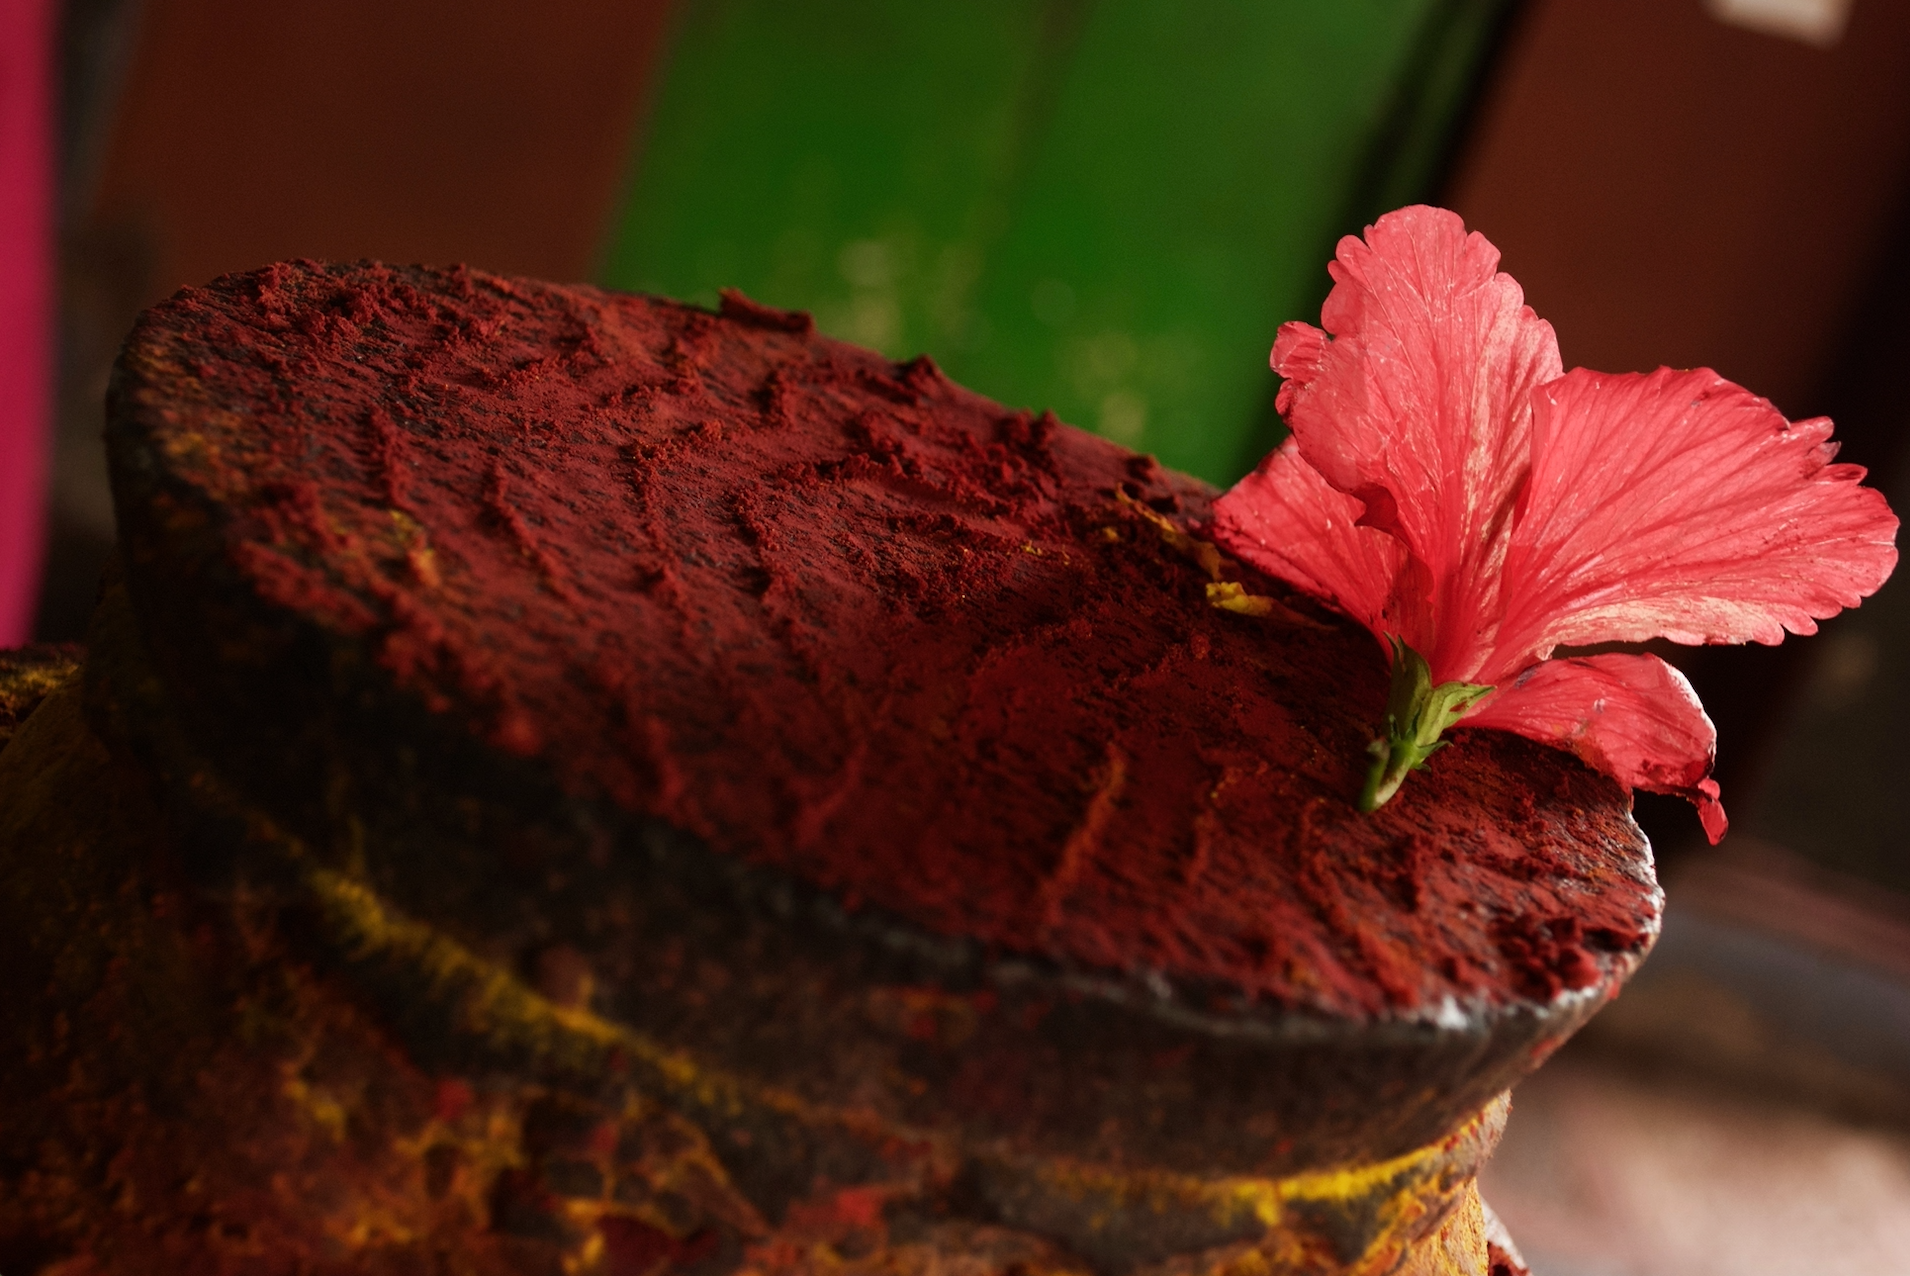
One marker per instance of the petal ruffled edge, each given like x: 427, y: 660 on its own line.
x: 1633, y: 717
x: 1289, y: 522
x: 1676, y: 504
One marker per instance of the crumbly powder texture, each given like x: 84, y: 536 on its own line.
x: 842, y: 617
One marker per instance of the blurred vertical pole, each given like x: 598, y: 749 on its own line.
x: 26, y: 300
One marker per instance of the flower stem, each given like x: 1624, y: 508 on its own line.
x: 1417, y: 715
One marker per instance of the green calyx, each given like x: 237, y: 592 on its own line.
x: 1417, y: 714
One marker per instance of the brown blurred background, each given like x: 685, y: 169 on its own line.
x: 1684, y: 182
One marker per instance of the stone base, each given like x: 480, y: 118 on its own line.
x: 300, y: 1079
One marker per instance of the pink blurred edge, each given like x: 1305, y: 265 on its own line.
x: 26, y: 303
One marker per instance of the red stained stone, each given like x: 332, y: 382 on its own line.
x: 842, y: 618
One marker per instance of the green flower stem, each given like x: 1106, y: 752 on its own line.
x: 1417, y: 714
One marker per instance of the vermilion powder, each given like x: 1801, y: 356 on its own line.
x: 842, y: 617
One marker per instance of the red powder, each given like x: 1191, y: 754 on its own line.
x: 842, y: 617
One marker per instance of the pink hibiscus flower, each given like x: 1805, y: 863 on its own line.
x: 1449, y: 485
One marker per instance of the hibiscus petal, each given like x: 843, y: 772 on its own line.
x: 1420, y: 406
x: 1289, y: 522
x: 1633, y: 717
x: 1678, y: 505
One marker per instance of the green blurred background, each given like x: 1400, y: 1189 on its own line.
x: 1103, y: 209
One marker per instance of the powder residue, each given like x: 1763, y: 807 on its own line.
x: 842, y: 617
